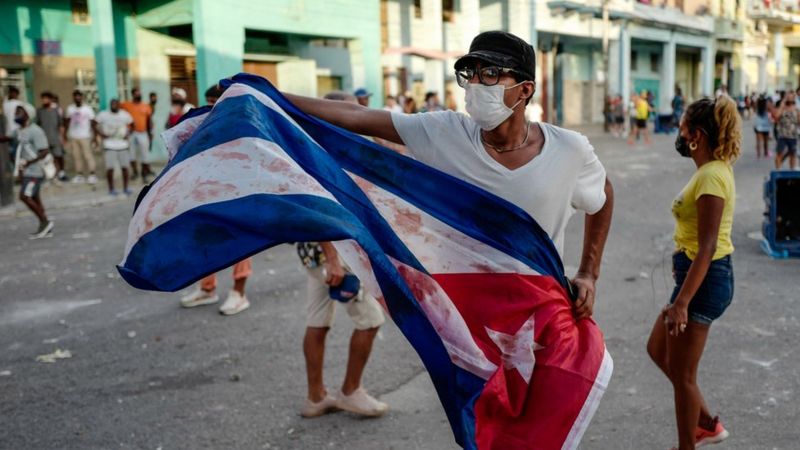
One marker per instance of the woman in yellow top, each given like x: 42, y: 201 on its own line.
x: 710, y: 134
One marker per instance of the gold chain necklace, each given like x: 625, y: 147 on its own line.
x: 504, y: 150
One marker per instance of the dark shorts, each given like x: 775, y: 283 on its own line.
x: 31, y: 186
x: 786, y: 145
x: 715, y: 293
x: 641, y: 123
x: 57, y: 150
x: 761, y: 133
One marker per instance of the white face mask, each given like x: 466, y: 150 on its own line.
x: 486, y: 106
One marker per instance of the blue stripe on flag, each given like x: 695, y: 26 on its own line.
x: 210, y: 237
x: 471, y: 210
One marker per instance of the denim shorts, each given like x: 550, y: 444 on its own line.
x: 786, y: 145
x: 715, y: 293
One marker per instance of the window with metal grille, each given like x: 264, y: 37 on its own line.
x: 448, y: 10
x: 183, y: 74
x: 86, y: 82
x: 13, y: 77
x: 655, y: 62
x: 80, y: 12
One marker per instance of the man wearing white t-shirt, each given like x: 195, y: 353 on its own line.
x: 114, y: 126
x: 10, y: 109
x: 547, y: 171
x: 78, y: 126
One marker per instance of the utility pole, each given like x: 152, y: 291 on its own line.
x: 607, y: 72
x: 6, y: 169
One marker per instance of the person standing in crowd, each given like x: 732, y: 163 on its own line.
x: 206, y: 294
x: 213, y: 94
x: 78, y: 125
x: 409, y: 105
x: 642, y: 111
x: 450, y: 100
x: 677, y: 107
x: 176, y: 111
x: 362, y: 96
x: 325, y: 271
x: 9, y: 110
x: 632, y: 112
x: 141, y: 135
x: 762, y: 126
x: 431, y: 103
x: 180, y: 94
x: 391, y: 104
x: 710, y: 134
x: 618, y: 114
x: 153, y: 97
x: 49, y: 118
x: 788, y: 125
x: 113, y: 127
x: 33, y: 147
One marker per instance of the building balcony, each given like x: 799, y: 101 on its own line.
x: 637, y: 12
x: 729, y: 30
x: 776, y: 14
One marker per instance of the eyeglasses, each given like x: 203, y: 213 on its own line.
x: 488, y: 76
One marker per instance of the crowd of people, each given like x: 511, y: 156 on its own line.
x: 491, y: 148
x: 42, y: 141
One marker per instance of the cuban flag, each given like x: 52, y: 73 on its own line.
x: 472, y: 281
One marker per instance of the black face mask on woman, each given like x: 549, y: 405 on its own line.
x: 682, y: 147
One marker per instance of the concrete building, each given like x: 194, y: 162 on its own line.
x: 421, y: 39
x: 652, y: 48
x: 104, y: 47
x: 773, y: 50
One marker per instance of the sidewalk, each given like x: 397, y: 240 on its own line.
x: 65, y: 195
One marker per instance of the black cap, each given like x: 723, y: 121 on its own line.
x: 504, y: 50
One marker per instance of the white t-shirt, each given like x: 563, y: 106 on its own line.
x: 116, y: 127
x: 10, y: 111
x: 80, y: 121
x: 566, y: 175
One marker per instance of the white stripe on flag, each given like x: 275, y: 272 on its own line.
x: 228, y: 171
x: 176, y: 136
x: 592, y: 402
x: 439, y: 247
x: 435, y: 303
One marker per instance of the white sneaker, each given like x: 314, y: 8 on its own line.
x: 44, y: 231
x: 311, y: 409
x: 360, y: 402
x: 92, y: 179
x: 78, y: 179
x: 199, y: 298
x: 234, y: 304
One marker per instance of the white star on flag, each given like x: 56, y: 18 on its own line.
x: 517, y: 349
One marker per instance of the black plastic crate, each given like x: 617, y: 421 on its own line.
x: 781, y: 228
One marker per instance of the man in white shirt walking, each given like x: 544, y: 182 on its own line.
x: 547, y: 171
x: 114, y: 126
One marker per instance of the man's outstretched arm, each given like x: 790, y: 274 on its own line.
x: 595, y: 233
x: 350, y: 116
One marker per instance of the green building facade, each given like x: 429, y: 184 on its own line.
x: 105, y: 47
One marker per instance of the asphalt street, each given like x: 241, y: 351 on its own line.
x: 146, y: 374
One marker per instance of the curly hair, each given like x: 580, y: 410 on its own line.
x: 719, y: 120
